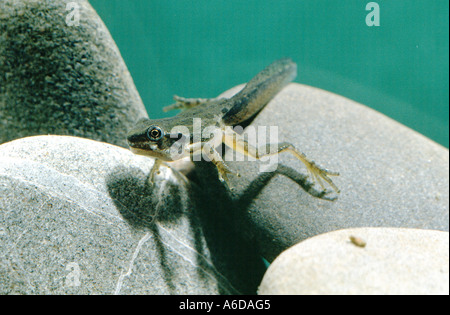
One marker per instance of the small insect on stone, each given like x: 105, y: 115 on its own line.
x: 358, y: 241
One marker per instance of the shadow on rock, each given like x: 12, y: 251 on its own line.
x: 228, y: 217
x: 232, y: 254
x: 212, y: 223
x: 142, y: 204
x: 218, y: 223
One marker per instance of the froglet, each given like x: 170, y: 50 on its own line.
x: 170, y: 139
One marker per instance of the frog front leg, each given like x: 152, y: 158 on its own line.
x: 154, y: 171
x: 186, y: 103
x: 222, y: 168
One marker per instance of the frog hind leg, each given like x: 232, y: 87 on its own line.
x: 186, y: 103
x: 317, y: 173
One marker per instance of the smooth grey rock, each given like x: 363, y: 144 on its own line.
x: 62, y: 77
x: 393, y: 261
x: 78, y: 216
x: 391, y: 176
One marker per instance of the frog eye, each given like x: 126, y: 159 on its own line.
x: 154, y: 133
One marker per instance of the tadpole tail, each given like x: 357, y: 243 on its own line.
x: 260, y: 90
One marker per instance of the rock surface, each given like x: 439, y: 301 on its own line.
x: 78, y: 217
x: 60, y: 75
x: 393, y: 261
x: 390, y: 176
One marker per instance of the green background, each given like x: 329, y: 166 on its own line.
x: 204, y: 47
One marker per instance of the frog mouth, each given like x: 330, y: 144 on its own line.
x: 150, y: 153
x: 139, y: 151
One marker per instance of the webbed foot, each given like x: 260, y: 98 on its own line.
x: 318, y: 174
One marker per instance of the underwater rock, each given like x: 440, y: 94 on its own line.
x: 61, y: 73
x: 393, y: 261
x: 78, y: 216
x: 390, y: 176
